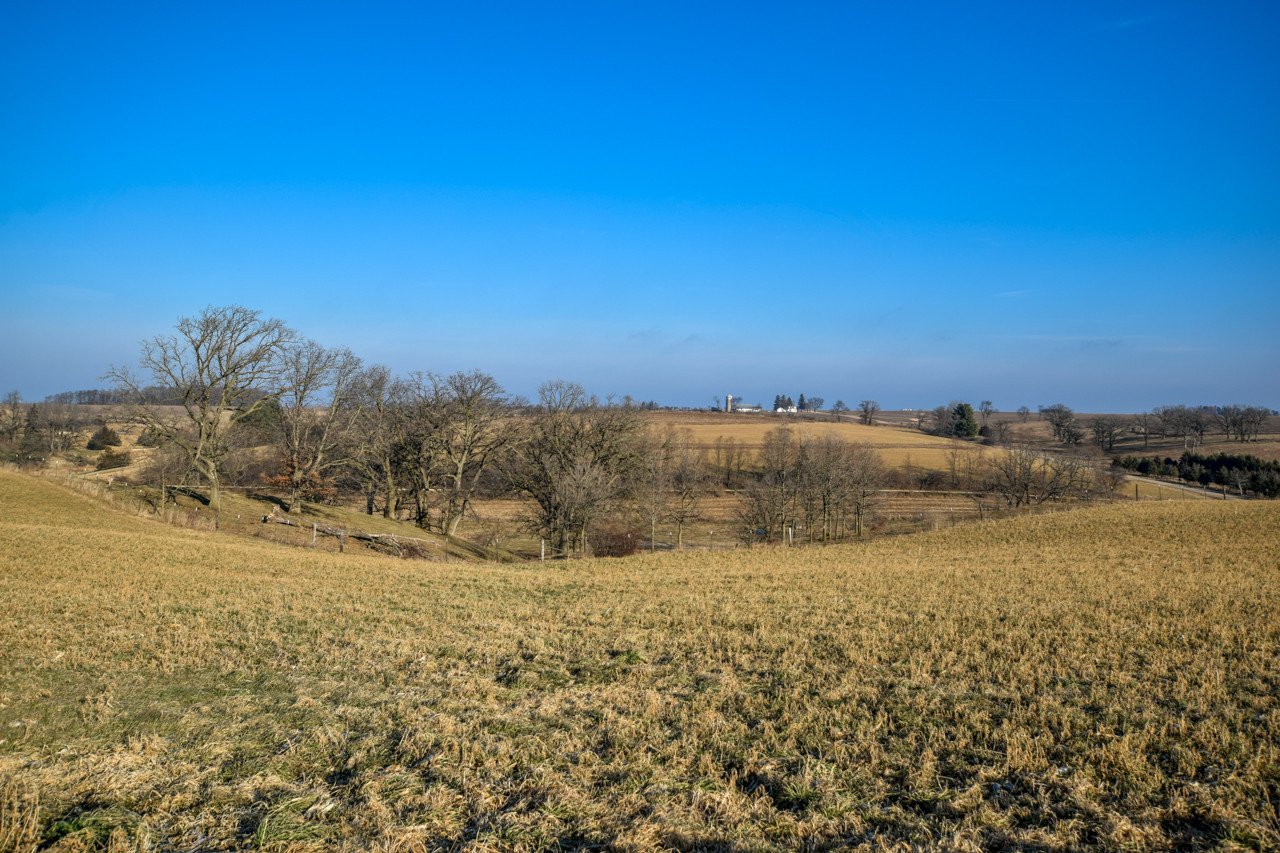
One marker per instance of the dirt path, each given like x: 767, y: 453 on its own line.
x: 1177, y: 487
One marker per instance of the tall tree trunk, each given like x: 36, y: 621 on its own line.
x: 451, y: 527
x: 294, y: 502
x: 215, y: 495
x: 390, y: 496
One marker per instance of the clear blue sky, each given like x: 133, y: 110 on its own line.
x: 1022, y: 202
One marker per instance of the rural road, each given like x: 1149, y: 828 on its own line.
x: 1193, y: 490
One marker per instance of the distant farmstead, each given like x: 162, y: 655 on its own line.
x: 731, y: 406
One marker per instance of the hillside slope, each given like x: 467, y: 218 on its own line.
x: 1103, y: 678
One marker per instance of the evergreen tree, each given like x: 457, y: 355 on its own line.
x: 802, y: 404
x: 963, y: 422
x: 105, y: 437
x: 32, y: 442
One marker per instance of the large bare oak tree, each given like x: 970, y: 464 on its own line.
x: 221, y: 366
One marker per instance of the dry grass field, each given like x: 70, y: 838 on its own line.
x: 899, y: 446
x: 1152, y: 490
x: 1105, y: 678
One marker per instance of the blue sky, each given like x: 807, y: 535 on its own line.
x: 1022, y: 202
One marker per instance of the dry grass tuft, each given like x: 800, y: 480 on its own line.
x: 1105, y: 679
x: 19, y: 817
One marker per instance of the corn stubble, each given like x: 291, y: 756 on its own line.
x: 1104, y: 678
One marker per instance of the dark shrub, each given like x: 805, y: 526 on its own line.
x: 616, y: 540
x: 105, y: 437
x: 113, y: 459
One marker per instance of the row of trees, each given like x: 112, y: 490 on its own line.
x: 805, y: 404
x: 867, y: 410
x: 33, y: 432
x: 1190, y: 424
x: 423, y: 445
x: 1019, y: 475
x: 1243, y: 472
x: 109, y: 397
x: 829, y: 488
x: 825, y: 487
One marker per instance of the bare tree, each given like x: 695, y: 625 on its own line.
x: 999, y: 433
x: 316, y: 416
x: 864, y: 477
x: 1023, y: 477
x: 986, y: 408
x: 839, y: 484
x: 468, y: 420
x: 940, y: 420
x: 1189, y: 424
x: 574, y: 461
x: 1198, y: 422
x: 47, y: 429
x: 12, y: 410
x: 654, y: 484
x: 379, y: 436
x: 672, y: 480
x: 728, y: 459
x: 1106, y: 430
x: 689, y: 483
x: 868, y: 409
x: 1255, y: 417
x: 963, y: 461
x: 1243, y: 423
x: 838, y: 408
x: 1144, y: 424
x: 828, y: 483
x: 166, y: 466
x: 1062, y: 420
x: 1024, y: 414
x: 221, y: 366
x: 768, y: 503
x: 1238, y: 477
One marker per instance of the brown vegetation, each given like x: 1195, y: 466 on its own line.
x: 1100, y: 679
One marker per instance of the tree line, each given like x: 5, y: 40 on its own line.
x: 1245, y: 473
x: 422, y: 447
x: 826, y: 487
x: 425, y: 447
x: 1190, y: 424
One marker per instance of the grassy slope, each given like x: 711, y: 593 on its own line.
x: 242, y: 513
x: 1102, y: 678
